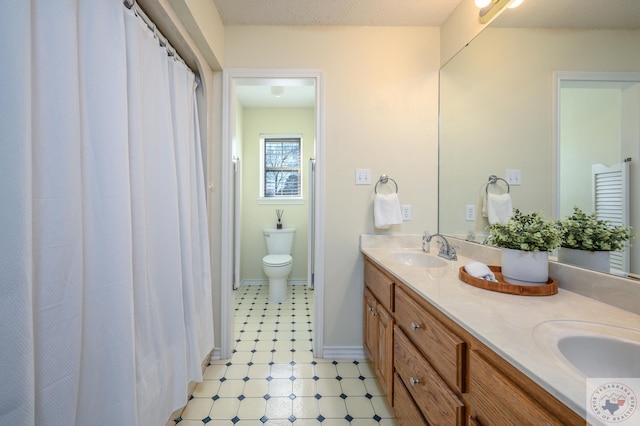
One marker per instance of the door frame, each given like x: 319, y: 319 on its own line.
x: 227, y: 235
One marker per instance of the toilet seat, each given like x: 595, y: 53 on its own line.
x: 277, y: 260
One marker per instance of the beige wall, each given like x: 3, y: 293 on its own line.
x: 256, y: 216
x: 381, y: 109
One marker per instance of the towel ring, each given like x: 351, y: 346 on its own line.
x: 385, y: 179
x: 493, y: 179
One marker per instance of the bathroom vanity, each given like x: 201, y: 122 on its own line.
x: 448, y: 353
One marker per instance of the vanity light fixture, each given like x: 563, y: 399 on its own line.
x: 490, y: 8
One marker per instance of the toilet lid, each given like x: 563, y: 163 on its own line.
x: 277, y: 259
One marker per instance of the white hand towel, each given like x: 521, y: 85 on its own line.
x: 386, y: 210
x: 499, y: 208
x: 480, y: 270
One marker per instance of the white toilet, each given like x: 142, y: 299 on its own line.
x: 277, y: 264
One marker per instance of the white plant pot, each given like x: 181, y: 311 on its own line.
x: 525, y: 267
x: 596, y: 260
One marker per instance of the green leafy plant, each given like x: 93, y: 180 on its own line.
x: 584, y: 231
x: 527, y: 232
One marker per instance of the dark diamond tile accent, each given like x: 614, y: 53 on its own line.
x: 206, y: 420
x: 292, y: 363
x: 292, y: 378
x: 292, y: 397
x: 320, y: 418
x: 369, y: 396
x: 229, y: 364
x: 292, y: 419
x: 343, y: 396
x: 316, y: 378
x: 355, y: 361
x: 223, y: 379
x: 317, y: 396
x: 253, y: 351
x: 236, y: 419
x: 250, y: 363
x: 178, y: 420
x: 361, y: 377
x: 241, y: 397
x: 348, y: 418
x: 269, y: 378
x: 334, y: 362
x: 264, y: 419
x: 267, y: 397
x: 314, y: 362
x: 215, y: 397
x: 377, y: 418
x: 338, y: 378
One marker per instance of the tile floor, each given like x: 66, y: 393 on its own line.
x: 273, y: 379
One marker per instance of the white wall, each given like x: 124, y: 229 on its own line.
x: 256, y: 216
x: 381, y: 109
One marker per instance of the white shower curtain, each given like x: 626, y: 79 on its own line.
x: 106, y: 286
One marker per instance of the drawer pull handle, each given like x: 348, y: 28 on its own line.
x: 415, y: 326
x: 413, y: 381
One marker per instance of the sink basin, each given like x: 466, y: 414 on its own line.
x: 417, y: 258
x: 591, y: 348
x: 597, y: 356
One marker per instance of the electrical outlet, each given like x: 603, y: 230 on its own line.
x: 363, y: 176
x: 512, y: 176
x: 406, y: 212
x: 470, y: 212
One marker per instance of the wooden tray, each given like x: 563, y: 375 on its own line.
x: 551, y: 287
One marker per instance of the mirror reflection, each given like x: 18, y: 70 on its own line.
x: 500, y: 112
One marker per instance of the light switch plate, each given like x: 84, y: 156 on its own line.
x: 512, y: 176
x: 363, y: 176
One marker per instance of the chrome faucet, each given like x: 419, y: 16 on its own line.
x: 447, y: 251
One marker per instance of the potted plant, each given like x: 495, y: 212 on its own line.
x: 525, y: 241
x: 587, y: 241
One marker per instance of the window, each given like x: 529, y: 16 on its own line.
x: 281, y: 160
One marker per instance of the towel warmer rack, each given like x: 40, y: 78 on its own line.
x: 383, y: 180
x: 493, y: 180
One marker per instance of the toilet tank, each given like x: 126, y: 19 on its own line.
x: 279, y: 241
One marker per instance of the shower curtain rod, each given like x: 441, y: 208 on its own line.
x: 164, y: 42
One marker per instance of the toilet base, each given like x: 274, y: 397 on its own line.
x: 278, y: 290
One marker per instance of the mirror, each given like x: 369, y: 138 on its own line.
x: 497, y: 111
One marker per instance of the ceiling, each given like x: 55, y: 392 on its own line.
x: 336, y: 12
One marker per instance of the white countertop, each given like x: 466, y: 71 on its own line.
x: 506, y: 323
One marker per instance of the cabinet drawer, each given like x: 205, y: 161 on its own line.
x: 496, y: 400
x: 405, y: 409
x: 444, y: 350
x: 439, y: 405
x: 380, y: 285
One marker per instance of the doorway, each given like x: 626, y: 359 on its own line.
x: 256, y: 87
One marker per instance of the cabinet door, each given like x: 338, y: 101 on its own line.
x: 384, y: 368
x: 498, y: 401
x: 370, y: 326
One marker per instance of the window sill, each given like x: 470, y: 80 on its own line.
x: 278, y: 200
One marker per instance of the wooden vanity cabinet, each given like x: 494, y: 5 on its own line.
x: 378, y: 325
x: 437, y: 373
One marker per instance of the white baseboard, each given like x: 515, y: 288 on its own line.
x: 266, y: 282
x: 344, y: 352
x: 215, y: 354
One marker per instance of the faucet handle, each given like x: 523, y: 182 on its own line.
x: 426, y: 242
